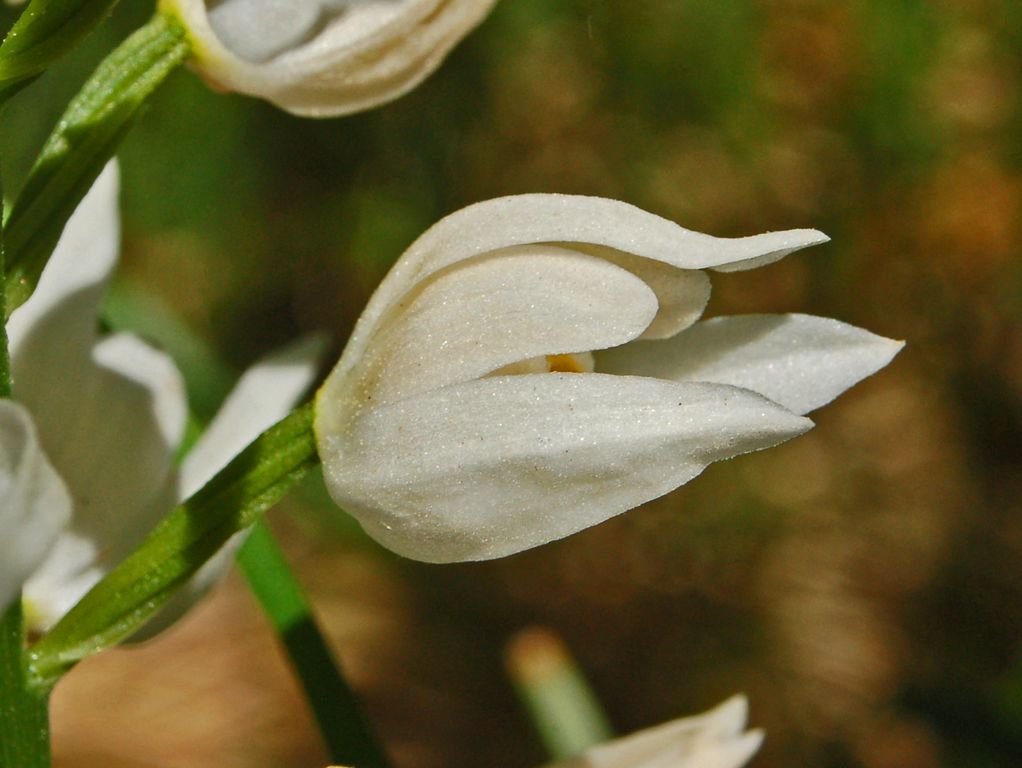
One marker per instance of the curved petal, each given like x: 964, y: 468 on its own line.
x: 481, y: 315
x: 325, y: 58
x: 71, y: 287
x: 566, y: 220
x: 494, y: 466
x: 715, y: 739
x: 111, y: 431
x: 799, y: 361
x: 34, y: 504
x: 682, y: 294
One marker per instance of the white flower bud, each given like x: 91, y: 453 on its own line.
x: 322, y: 58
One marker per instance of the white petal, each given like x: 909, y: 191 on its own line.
x: 328, y: 57
x: 71, y: 287
x: 681, y: 294
x: 494, y: 466
x: 264, y: 395
x: 34, y: 504
x: 799, y: 361
x: 258, y: 30
x: 481, y: 315
x: 111, y: 431
x: 712, y: 740
x: 565, y: 219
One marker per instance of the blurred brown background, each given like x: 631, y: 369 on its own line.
x: 863, y: 584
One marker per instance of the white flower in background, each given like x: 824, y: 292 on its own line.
x: 109, y: 412
x: 324, y: 57
x: 468, y: 418
x: 717, y: 739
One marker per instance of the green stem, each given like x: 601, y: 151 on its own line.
x: 192, y: 533
x: 24, y: 723
x: 345, y: 730
x: 5, y: 357
x: 85, y: 138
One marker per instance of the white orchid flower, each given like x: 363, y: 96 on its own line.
x: 716, y: 739
x: 324, y: 57
x: 109, y: 412
x: 469, y: 419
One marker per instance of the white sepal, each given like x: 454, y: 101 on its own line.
x: 494, y: 466
x: 573, y: 221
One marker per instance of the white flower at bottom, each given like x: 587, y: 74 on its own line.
x: 468, y: 417
x: 324, y: 57
x: 109, y: 413
x: 716, y: 739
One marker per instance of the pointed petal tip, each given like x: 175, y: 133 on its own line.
x: 732, y: 713
x: 811, y: 237
x: 759, y: 250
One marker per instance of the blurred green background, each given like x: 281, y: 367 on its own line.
x: 863, y: 584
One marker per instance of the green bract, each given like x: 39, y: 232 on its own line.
x: 84, y: 140
x: 46, y: 30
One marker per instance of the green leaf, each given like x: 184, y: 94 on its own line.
x: 85, y: 138
x: 134, y: 591
x: 44, y: 32
x: 345, y: 730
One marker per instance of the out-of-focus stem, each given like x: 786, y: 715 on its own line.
x: 563, y: 707
x: 346, y: 732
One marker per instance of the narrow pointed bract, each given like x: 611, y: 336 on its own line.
x: 324, y: 57
x: 476, y: 411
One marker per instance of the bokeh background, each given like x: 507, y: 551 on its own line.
x: 863, y: 584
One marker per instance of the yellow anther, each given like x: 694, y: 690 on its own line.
x: 565, y: 364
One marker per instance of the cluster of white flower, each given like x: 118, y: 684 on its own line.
x: 89, y: 438
x: 531, y: 366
